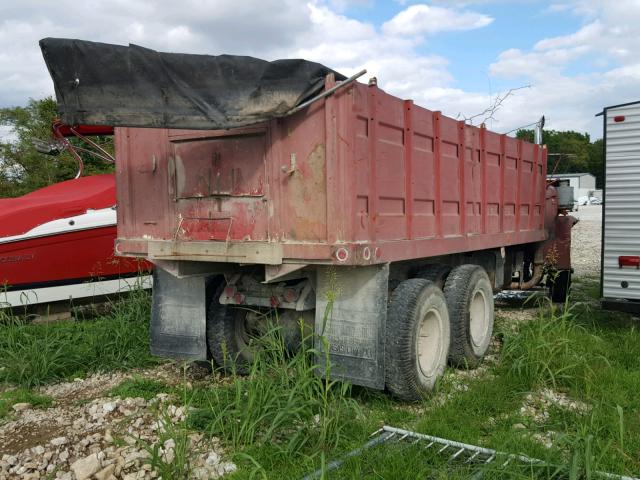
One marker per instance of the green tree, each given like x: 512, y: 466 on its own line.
x: 22, y: 167
x: 596, y: 161
x: 571, y: 152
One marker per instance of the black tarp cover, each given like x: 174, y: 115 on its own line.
x: 104, y: 84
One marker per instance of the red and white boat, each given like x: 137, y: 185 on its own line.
x: 57, y: 243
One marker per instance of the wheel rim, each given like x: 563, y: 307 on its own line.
x: 247, y: 328
x: 478, y: 318
x: 429, y: 343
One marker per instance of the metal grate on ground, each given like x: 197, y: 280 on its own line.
x: 459, y: 460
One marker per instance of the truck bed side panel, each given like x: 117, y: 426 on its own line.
x: 362, y: 173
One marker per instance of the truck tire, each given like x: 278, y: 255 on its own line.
x: 559, y: 286
x: 228, y: 337
x: 214, y: 286
x: 470, y: 302
x: 292, y: 334
x: 437, y: 273
x: 417, y: 339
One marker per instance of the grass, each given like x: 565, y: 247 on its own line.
x: 9, y: 398
x: 32, y: 355
x: 171, y: 456
x: 543, y: 353
x: 579, y: 352
x: 139, y: 387
x: 285, y: 406
x: 284, y: 420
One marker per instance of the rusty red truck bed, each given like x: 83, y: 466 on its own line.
x: 360, y: 178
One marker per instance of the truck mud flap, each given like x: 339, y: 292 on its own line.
x: 351, y: 313
x: 178, y: 316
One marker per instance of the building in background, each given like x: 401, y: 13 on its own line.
x: 584, y: 184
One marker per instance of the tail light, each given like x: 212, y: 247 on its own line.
x: 629, y: 261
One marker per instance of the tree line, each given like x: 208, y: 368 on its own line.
x: 571, y: 152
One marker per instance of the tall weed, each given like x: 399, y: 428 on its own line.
x: 31, y: 355
x: 549, y: 350
x: 286, y: 400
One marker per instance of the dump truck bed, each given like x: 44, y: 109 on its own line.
x: 358, y: 178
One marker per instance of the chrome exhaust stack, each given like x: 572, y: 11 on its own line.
x: 537, y: 135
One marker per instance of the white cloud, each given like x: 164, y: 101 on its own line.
x: 577, y: 74
x: 342, y: 5
x: 572, y: 75
x: 425, y: 19
x: 583, y: 36
x: 515, y: 63
x: 252, y: 27
x: 349, y: 45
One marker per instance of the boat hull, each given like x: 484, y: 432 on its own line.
x: 64, y: 266
x: 94, y: 290
x: 63, y: 258
x: 57, y: 243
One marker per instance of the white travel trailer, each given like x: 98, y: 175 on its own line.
x: 621, y: 212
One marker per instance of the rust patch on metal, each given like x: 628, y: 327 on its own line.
x: 308, y: 197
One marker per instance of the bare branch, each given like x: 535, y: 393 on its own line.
x: 522, y: 127
x: 489, y: 112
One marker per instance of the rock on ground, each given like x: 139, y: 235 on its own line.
x: 86, y: 434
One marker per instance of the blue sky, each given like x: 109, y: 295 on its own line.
x: 515, y: 24
x: 518, y: 24
x: 452, y: 55
x: 471, y: 52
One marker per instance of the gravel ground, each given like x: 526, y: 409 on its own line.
x: 585, y: 241
x: 86, y: 434
x: 535, y: 411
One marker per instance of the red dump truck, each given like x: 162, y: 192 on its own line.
x: 385, y: 226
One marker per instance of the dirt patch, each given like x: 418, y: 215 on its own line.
x: 511, y: 318
x: 27, y: 434
x: 99, y: 384
x: 67, y: 393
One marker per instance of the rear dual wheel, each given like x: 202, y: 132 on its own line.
x: 435, y: 272
x: 417, y: 339
x: 236, y: 334
x: 469, y: 297
x: 231, y: 335
x: 426, y: 327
